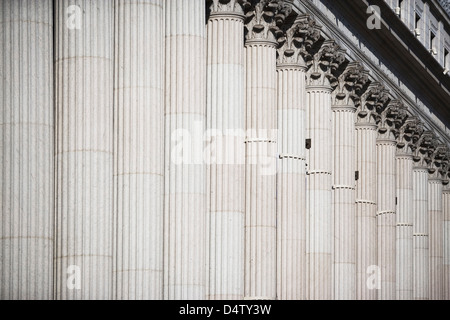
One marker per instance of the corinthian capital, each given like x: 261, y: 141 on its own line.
x: 409, y: 135
x: 264, y: 18
x: 373, y: 102
x: 294, y: 46
x: 325, y: 65
x: 351, y: 85
x: 439, y: 160
x: 424, y: 149
x: 392, y: 119
x: 227, y: 6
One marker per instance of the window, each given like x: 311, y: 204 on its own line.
x: 433, y: 41
x: 446, y: 60
x: 417, y: 25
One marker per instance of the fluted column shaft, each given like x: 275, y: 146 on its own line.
x: 291, y: 187
x: 420, y: 234
x: 344, y: 209
x: 386, y: 216
x: 366, y: 207
x: 435, y: 222
x: 446, y: 236
x: 319, y: 250
x: 26, y: 149
x: 185, y: 185
x: 404, y: 234
x: 84, y: 120
x: 226, y: 171
x: 139, y: 148
x: 260, y: 188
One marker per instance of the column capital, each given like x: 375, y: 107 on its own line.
x: 423, y: 149
x: 409, y: 135
x: 391, y: 119
x: 295, y: 45
x: 439, y: 161
x: 326, y: 65
x: 373, y: 102
x: 227, y: 7
x: 264, y: 19
x: 351, y: 85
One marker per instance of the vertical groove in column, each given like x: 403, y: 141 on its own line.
x: 366, y: 135
x: 386, y: 216
x: 435, y: 222
x: 226, y: 175
x: 185, y: 219
x: 420, y: 234
x: 446, y: 236
x: 84, y: 150
x: 405, y: 217
x: 26, y: 150
x: 139, y: 148
x: 260, y: 194
x: 319, y: 249
x: 344, y: 210
x: 291, y: 187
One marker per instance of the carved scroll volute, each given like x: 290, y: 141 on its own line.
x: 264, y: 19
x: 295, y: 45
x: 373, y: 103
x: 409, y: 135
x: 446, y: 169
x: 227, y: 6
x: 351, y: 85
x: 325, y: 65
x: 392, y: 119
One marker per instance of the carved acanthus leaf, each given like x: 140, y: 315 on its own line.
x: 295, y: 45
x: 410, y: 134
x: 325, y: 64
x: 352, y: 84
x: 373, y: 103
x: 227, y: 6
x: 439, y: 160
x: 392, y: 119
x: 424, y: 149
x: 264, y: 19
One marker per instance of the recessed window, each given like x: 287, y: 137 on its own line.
x: 417, y: 26
x: 446, y: 59
x: 433, y: 43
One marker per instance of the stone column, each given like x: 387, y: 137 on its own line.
x: 84, y: 148
x: 409, y: 134
x: 139, y: 148
x: 226, y: 172
x: 345, y: 99
x: 446, y: 210
x: 263, y: 20
x: 392, y: 119
x: 320, y: 84
x: 26, y: 150
x: 367, y: 272
x: 291, y: 175
x: 420, y: 223
x: 185, y: 182
x: 435, y: 224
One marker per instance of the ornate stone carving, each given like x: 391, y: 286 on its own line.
x: 227, y: 6
x: 424, y: 149
x: 325, y: 65
x: 373, y: 102
x: 439, y: 160
x: 295, y: 45
x: 351, y: 85
x: 264, y: 19
x: 392, y: 119
x: 409, y: 135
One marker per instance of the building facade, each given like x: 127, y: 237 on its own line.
x: 225, y: 149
